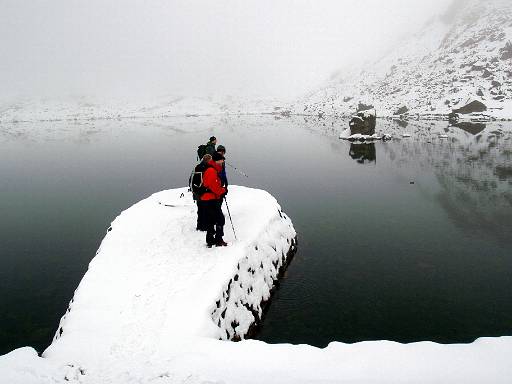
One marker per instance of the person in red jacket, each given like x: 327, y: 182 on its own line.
x: 212, y: 200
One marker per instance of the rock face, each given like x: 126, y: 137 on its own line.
x: 465, y: 54
x: 506, y: 52
x: 363, y: 123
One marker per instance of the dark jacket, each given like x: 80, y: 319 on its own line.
x: 210, y: 148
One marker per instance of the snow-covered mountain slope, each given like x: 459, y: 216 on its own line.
x: 464, y: 55
x: 93, y: 108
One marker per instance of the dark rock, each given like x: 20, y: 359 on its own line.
x: 477, y: 67
x: 480, y: 92
x: 474, y: 106
x: 363, y: 123
x: 506, y: 51
x: 486, y: 73
x: 364, y: 107
x: 495, y: 84
x: 453, y: 118
x: 347, y: 99
x: 401, y: 110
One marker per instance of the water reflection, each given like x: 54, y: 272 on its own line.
x: 473, y: 128
x: 363, y: 153
x: 379, y: 257
x: 473, y: 169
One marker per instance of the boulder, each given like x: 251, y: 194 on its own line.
x: 400, y: 111
x: 506, y: 51
x: 474, y: 106
x: 364, y: 107
x: 486, y: 73
x: 363, y: 122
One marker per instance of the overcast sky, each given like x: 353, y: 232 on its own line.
x: 257, y: 47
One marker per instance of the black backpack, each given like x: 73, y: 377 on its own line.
x: 195, y: 181
x: 201, y: 151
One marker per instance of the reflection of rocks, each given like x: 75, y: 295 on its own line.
x: 473, y: 128
x: 503, y: 172
x: 473, y: 172
x: 402, y: 123
x: 363, y: 122
x: 363, y: 153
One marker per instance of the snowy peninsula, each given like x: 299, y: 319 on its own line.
x: 157, y: 306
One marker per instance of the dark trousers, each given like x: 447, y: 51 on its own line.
x: 201, y: 215
x: 214, y: 221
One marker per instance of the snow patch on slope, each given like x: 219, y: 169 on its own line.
x: 439, y: 69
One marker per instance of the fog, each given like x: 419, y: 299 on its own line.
x: 148, y: 48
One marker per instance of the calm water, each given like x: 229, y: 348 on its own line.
x: 405, y: 240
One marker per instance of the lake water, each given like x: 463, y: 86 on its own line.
x: 405, y: 240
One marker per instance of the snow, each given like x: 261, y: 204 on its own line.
x: 88, y: 108
x: 156, y: 306
x: 432, y: 72
x: 346, y: 135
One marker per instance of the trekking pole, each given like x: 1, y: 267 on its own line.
x: 230, y: 219
x: 236, y: 169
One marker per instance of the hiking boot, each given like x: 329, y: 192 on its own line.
x: 221, y: 243
x: 210, y: 245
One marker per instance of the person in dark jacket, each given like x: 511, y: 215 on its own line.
x: 201, y: 212
x: 223, y: 177
x: 210, y: 145
x: 213, y: 202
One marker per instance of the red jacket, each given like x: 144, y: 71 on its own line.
x: 211, y: 180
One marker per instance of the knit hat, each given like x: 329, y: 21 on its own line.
x: 221, y: 148
x: 217, y: 156
x: 213, y: 138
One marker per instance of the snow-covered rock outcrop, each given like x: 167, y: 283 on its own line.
x: 154, y: 281
x: 462, y: 56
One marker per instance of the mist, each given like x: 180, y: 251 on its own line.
x: 250, y: 48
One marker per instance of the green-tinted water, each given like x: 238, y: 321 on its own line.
x: 405, y: 240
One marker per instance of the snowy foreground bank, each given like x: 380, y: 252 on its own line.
x: 157, y: 306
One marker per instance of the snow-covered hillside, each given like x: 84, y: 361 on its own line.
x: 464, y: 55
x: 93, y: 108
